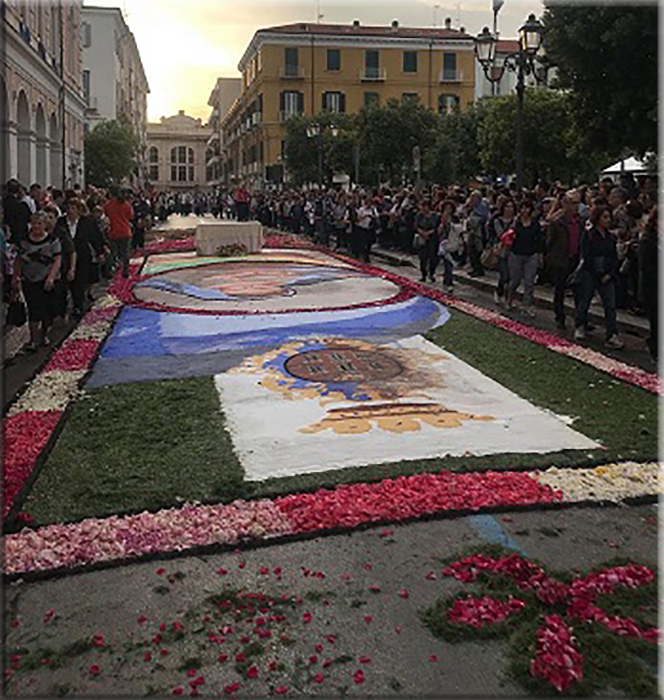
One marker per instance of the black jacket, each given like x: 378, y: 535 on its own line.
x: 17, y: 218
x: 88, y: 243
x: 599, y: 253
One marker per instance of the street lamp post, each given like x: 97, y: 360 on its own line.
x: 524, y: 62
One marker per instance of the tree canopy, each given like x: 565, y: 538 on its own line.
x: 606, y: 56
x: 110, y: 153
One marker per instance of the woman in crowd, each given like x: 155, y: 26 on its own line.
x: 447, y: 220
x: 39, y: 268
x: 503, y: 221
x: 527, y: 246
x: 648, y: 256
x: 426, y: 228
x: 598, y: 273
x: 89, y: 245
x: 67, y: 260
x: 367, y: 218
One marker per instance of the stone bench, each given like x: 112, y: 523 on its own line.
x: 210, y: 236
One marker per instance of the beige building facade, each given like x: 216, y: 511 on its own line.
x: 42, y: 106
x: 303, y: 69
x: 114, y: 81
x: 177, y: 153
x: 222, y: 97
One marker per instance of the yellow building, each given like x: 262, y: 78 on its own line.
x: 307, y: 68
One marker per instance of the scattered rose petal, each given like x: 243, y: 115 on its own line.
x: 358, y: 676
x: 365, y: 659
x: 252, y: 672
x: 95, y: 670
x: 433, y: 658
x: 404, y: 593
x: 319, y: 678
x: 368, y: 618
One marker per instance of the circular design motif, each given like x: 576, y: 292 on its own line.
x: 262, y: 287
x: 343, y: 365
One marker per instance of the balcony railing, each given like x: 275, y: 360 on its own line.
x: 291, y: 72
x: 450, y: 76
x: 373, y: 74
x: 257, y: 118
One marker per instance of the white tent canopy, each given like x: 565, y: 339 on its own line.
x: 629, y: 165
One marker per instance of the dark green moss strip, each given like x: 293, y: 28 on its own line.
x: 138, y: 446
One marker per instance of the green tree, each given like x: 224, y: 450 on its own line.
x: 305, y: 154
x: 460, y: 129
x: 387, y: 136
x: 551, y: 145
x: 110, y: 153
x: 606, y: 55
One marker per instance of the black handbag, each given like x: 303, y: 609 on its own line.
x: 16, y: 313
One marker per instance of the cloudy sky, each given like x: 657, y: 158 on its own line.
x: 186, y: 45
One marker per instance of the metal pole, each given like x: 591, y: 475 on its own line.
x: 495, y: 33
x: 356, y: 154
x: 320, y: 160
x: 520, y: 89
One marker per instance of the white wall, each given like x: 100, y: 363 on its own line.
x: 100, y: 59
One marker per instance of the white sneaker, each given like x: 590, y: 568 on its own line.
x: 497, y: 299
x: 615, y: 343
x: 449, y: 289
x: 580, y: 334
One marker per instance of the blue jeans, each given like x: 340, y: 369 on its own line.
x: 588, y: 284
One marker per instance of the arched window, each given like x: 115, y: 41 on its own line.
x: 447, y: 103
x: 153, y: 159
x: 182, y: 164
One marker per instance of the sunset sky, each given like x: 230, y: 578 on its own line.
x: 186, y: 45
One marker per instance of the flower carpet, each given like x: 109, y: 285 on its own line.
x: 380, y: 419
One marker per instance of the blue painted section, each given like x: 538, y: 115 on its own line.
x: 490, y: 530
x: 147, y: 333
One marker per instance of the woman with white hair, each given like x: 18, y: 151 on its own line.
x: 39, y: 266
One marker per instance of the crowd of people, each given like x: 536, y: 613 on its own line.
x: 55, y: 245
x: 591, y: 239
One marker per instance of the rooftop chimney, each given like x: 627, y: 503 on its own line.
x: 356, y: 23
x: 395, y: 25
x: 462, y: 30
x: 448, y: 23
x: 181, y: 112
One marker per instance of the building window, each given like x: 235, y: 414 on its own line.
x: 409, y: 97
x: 371, y: 64
x: 153, y: 173
x: 371, y: 99
x: 292, y: 61
x: 180, y: 171
x: 153, y: 154
x: 86, y: 86
x: 86, y: 35
x: 291, y: 103
x: 449, y: 66
x: 410, y: 61
x: 447, y: 104
x: 334, y: 102
x: 334, y: 59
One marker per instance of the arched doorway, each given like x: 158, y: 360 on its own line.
x: 56, y: 151
x: 5, y: 164
x: 24, y: 133
x: 40, y: 128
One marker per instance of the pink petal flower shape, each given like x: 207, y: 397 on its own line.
x: 307, y: 617
x: 433, y: 658
x: 49, y: 615
x: 331, y: 639
x: 313, y: 659
x: 281, y: 690
x: 95, y: 670
x: 222, y: 658
x: 191, y: 673
x: 177, y: 691
x: 404, y: 593
x: 319, y: 648
x: 222, y: 572
x: 358, y: 676
x: 319, y: 678
x: 365, y: 659
x: 161, y: 571
x: 141, y: 619
x: 431, y: 576
x: 147, y: 656
x: 252, y: 672
x: 368, y: 618
x: 164, y: 652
